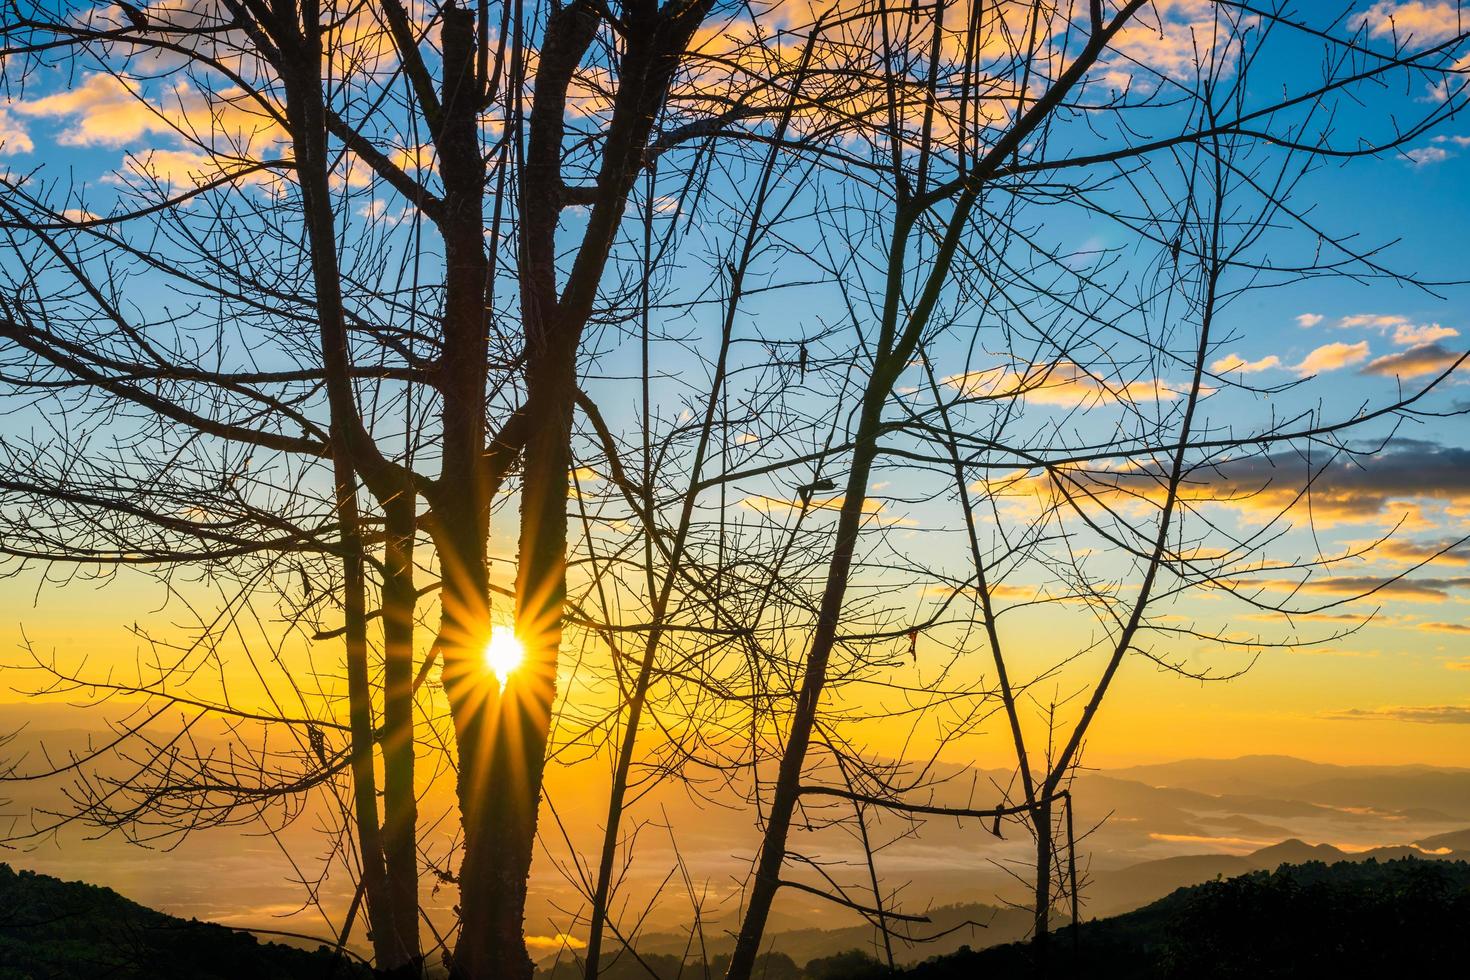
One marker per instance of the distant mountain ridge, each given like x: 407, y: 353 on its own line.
x: 1129, y: 888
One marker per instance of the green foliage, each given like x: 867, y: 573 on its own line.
x: 57, y: 929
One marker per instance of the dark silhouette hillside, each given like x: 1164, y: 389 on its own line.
x: 65, y: 930
x: 1396, y: 918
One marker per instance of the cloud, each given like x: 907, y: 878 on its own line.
x: 1405, y: 333
x: 1447, y: 628
x: 1430, y: 714
x: 1412, y: 336
x: 1308, y: 319
x: 1408, y: 589
x: 998, y: 590
x: 1173, y: 40
x: 105, y: 111
x: 1362, y: 490
x: 1405, y: 551
x: 1414, y: 362
x: 1064, y: 384
x: 1234, y: 362
x: 1448, y: 87
x: 190, y: 167
x: 1426, y: 155
x: 1353, y: 586
x: 111, y: 111
x: 1331, y: 357
x: 13, y: 136
x: 551, y: 944
x: 1379, y: 320
x: 874, y: 511
x: 1416, y: 21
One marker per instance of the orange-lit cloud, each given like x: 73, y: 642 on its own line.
x: 550, y: 944
x: 1382, y: 488
x: 1309, y: 319
x: 191, y: 167
x: 1409, y: 589
x: 1431, y: 714
x: 1413, y: 21
x: 874, y: 511
x: 1406, y: 551
x: 1414, y: 362
x: 1410, y: 335
x: 103, y: 111
x: 1234, y: 362
x: 1063, y: 384
x: 1331, y: 357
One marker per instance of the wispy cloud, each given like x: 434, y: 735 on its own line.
x: 1308, y: 319
x: 1425, y: 155
x: 1409, y: 589
x: 1377, y: 320
x: 1430, y: 714
x: 1447, y: 628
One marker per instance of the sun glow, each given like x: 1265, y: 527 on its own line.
x: 504, y: 653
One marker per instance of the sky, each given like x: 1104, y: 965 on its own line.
x: 1397, y: 690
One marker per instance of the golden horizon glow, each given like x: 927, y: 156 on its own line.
x: 504, y: 653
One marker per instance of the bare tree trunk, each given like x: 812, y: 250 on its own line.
x: 395, y: 945
x: 793, y: 758
x: 511, y: 737
x: 462, y: 510
x: 1041, y: 822
x: 400, y: 805
x: 360, y: 722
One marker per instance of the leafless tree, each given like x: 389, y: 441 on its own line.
x: 327, y: 435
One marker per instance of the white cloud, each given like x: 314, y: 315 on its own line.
x: 13, y: 136
x: 1425, y: 155
x: 1309, y: 319
x: 1381, y: 321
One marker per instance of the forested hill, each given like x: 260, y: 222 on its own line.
x: 1394, y: 918
x: 60, y: 930
x: 1391, y: 919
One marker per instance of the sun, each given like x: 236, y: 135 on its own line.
x: 504, y: 653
